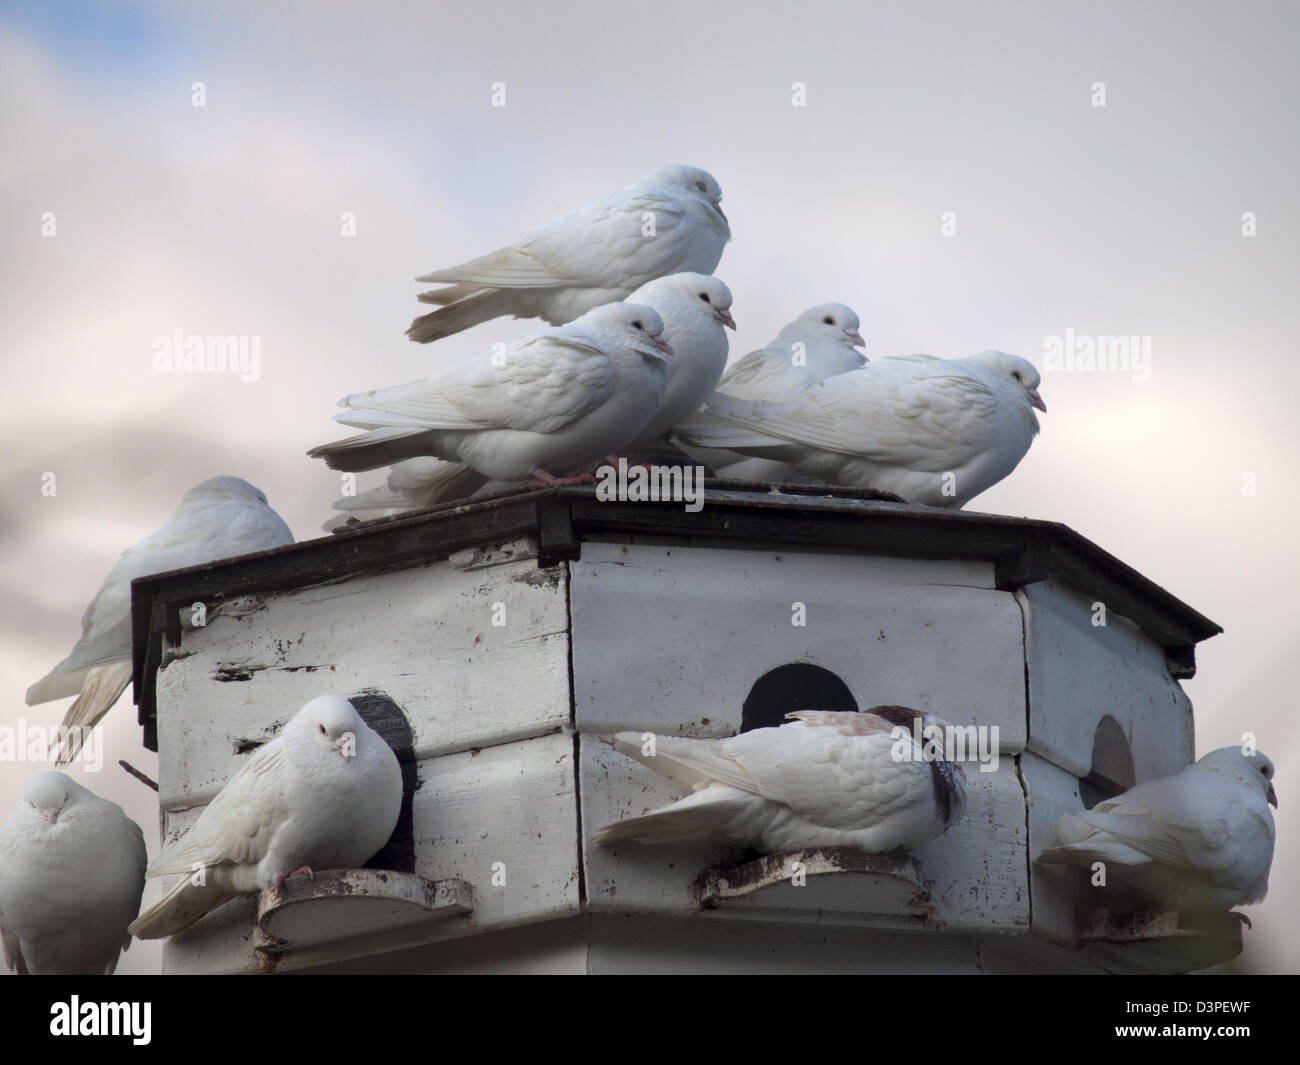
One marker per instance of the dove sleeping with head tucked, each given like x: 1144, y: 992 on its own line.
x: 597, y: 253
x: 550, y: 404
x: 221, y: 518
x: 323, y: 794
x: 71, y: 877
x: 1201, y: 839
x: 936, y: 431
x: 823, y: 779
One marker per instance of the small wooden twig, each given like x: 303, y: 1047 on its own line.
x: 137, y: 774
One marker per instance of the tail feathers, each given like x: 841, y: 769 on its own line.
x: 453, y: 480
x: 181, y: 907
x: 55, y: 685
x: 697, y: 763
x: 480, y: 307
x: 370, y: 451
x: 707, y: 811
x: 100, y: 690
x: 450, y: 294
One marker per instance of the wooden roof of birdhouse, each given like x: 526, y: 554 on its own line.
x: 737, y: 515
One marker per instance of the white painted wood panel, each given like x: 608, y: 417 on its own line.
x: 514, y: 805
x: 1079, y: 672
x: 423, y: 636
x: 666, y: 637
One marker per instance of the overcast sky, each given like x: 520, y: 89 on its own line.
x: 1123, y: 219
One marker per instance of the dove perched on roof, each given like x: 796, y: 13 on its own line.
x: 695, y: 308
x: 71, y: 877
x: 551, y: 403
x: 597, y: 253
x: 323, y: 794
x: 823, y: 779
x: 936, y: 431
x: 220, y: 518
x: 1201, y: 839
x: 820, y: 343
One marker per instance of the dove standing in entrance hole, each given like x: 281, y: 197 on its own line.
x: 695, y: 308
x: 324, y: 794
x: 1201, y: 839
x: 550, y: 404
x: 71, y: 878
x: 824, y: 779
x: 936, y: 431
x: 221, y: 518
x: 820, y: 343
x: 597, y: 253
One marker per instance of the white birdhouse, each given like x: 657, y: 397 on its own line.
x: 496, y: 643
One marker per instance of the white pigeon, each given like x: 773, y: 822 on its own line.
x: 552, y: 403
x: 935, y: 431
x: 820, y: 343
x: 71, y: 878
x: 323, y: 794
x: 597, y: 253
x: 694, y: 308
x: 824, y: 779
x: 1201, y: 839
x: 221, y: 518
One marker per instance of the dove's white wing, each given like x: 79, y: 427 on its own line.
x: 1192, y: 821
x: 602, y: 244
x: 540, y: 384
x: 919, y: 415
x: 238, y: 825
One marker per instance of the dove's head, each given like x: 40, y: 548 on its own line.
x: 697, y: 184
x: 833, y: 322
x: 694, y: 293
x: 224, y: 488
x: 1013, y: 370
x: 635, y: 325
x: 1254, y: 770
x: 334, y: 723
x: 48, y: 795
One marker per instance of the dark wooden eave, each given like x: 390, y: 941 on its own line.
x: 1023, y: 551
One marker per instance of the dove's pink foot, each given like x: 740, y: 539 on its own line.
x: 542, y: 479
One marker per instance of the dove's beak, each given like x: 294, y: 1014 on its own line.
x: 725, y: 318
x: 1036, y: 399
x: 718, y: 207
x: 855, y: 337
x: 345, y: 750
x: 663, y: 346
x: 1272, y: 796
x: 52, y: 814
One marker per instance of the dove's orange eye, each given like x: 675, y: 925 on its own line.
x: 700, y: 185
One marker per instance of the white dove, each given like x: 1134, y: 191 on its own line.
x: 323, y: 794
x: 1201, y: 839
x: 221, y: 518
x: 694, y: 308
x: 71, y: 877
x: 936, y: 431
x: 818, y: 344
x: 825, y: 779
x: 551, y: 403
x: 597, y: 253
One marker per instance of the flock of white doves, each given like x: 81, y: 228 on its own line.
x: 635, y: 356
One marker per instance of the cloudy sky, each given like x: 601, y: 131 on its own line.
x: 1122, y: 219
